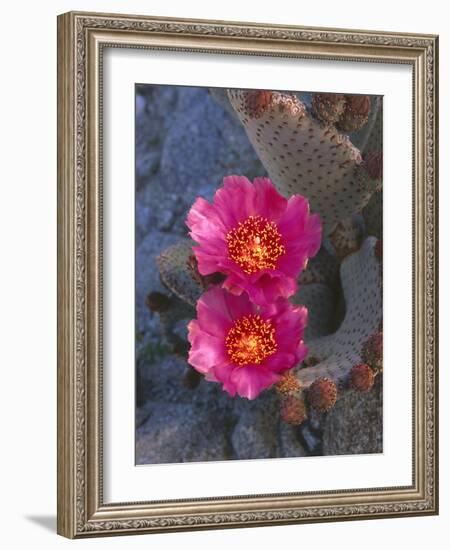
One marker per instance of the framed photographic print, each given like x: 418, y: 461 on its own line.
x: 247, y: 284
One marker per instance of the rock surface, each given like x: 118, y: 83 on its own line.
x: 255, y: 434
x: 180, y: 432
x: 147, y: 278
x: 289, y: 443
x: 185, y: 144
x: 355, y: 425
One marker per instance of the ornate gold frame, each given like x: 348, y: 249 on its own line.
x: 81, y: 510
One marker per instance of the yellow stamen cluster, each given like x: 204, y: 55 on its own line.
x: 255, y: 244
x: 250, y: 340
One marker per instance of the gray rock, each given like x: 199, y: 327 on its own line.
x: 355, y: 424
x: 141, y: 105
x: 148, y: 163
x: 181, y: 329
x: 221, y: 96
x: 311, y: 439
x: 155, y: 107
x: 166, y: 220
x: 181, y: 433
x: 256, y: 432
x: 251, y: 428
x: 162, y: 380
x: 204, y: 144
x: 142, y: 413
x: 147, y: 277
x: 289, y: 443
x: 185, y: 144
x: 315, y: 419
x: 156, y: 209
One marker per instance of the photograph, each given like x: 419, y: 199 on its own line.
x: 223, y: 246
x: 247, y: 274
x: 258, y: 274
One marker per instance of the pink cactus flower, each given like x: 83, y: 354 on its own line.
x: 244, y: 347
x: 260, y: 240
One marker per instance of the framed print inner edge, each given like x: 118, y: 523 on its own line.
x: 81, y: 38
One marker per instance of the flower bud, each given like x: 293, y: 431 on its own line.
x: 328, y: 107
x: 293, y: 410
x: 322, y: 394
x: 374, y: 164
x: 288, y: 384
x: 362, y: 378
x: 257, y: 102
x: 356, y: 113
x: 372, y: 352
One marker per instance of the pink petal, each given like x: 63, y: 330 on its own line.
x: 213, y: 313
x: 295, y: 216
x: 223, y: 374
x: 301, y: 352
x: 289, y: 332
x: 300, y: 228
x: 202, y: 217
x: 230, y: 388
x: 233, y: 201
x: 290, y: 321
x: 267, y: 203
x: 273, y: 287
x: 233, y: 285
x: 239, y: 305
x: 206, y: 350
x: 293, y: 262
x: 206, y: 263
x: 209, y: 224
x: 267, y: 288
x: 280, y: 362
x: 217, y: 310
x: 250, y: 381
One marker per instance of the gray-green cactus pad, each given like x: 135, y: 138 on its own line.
x: 304, y: 156
x: 339, y: 352
x: 176, y: 273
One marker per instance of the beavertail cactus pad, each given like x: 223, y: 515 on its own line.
x: 304, y: 155
x: 337, y: 353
